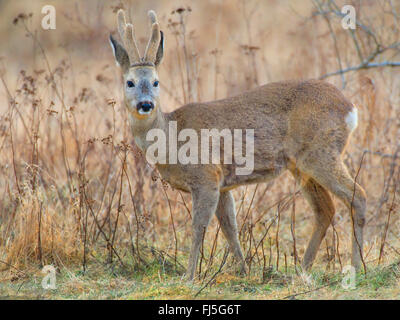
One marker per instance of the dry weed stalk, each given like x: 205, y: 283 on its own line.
x: 66, y: 200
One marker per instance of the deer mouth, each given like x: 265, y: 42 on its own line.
x: 145, y: 107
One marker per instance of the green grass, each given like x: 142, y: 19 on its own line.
x: 116, y: 282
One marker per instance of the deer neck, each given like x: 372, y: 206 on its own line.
x: 140, y: 127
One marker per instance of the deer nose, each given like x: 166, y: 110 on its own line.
x: 145, y: 106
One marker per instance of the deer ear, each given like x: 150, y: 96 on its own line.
x: 120, y: 54
x: 160, y: 50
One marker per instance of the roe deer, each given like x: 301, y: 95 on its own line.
x: 302, y: 126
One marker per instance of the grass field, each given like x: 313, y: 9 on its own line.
x: 155, y: 283
x: 76, y: 194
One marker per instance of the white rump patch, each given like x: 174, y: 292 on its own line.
x: 352, y: 119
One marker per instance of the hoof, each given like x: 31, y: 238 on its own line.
x: 188, y: 277
x: 243, y: 270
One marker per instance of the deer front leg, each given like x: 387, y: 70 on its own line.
x: 205, y: 201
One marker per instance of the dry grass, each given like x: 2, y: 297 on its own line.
x: 76, y: 193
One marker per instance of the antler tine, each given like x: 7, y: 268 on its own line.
x: 121, y: 23
x: 128, y: 38
x: 153, y: 17
x: 130, y: 44
x: 154, y: 41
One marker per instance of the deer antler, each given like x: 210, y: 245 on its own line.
x: 126, y: 32
x: 154, y: 41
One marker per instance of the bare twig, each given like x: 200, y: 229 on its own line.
x: 226, y: 253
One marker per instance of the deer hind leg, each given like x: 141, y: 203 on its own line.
x: 205, y: 201
x: 322, y: 205
x: 334, y: 176
x: 226, y: 214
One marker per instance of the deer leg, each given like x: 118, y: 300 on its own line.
x: 226, y: 214
x: 205, y: 201
x: 335, y: 177
x: 324, y: 210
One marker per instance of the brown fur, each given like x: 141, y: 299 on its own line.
x: 298, y: 125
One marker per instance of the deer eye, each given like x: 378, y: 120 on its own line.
x: 155, y: 84
x: 130, y: 84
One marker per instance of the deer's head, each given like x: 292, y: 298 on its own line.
x: 141, y: 84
